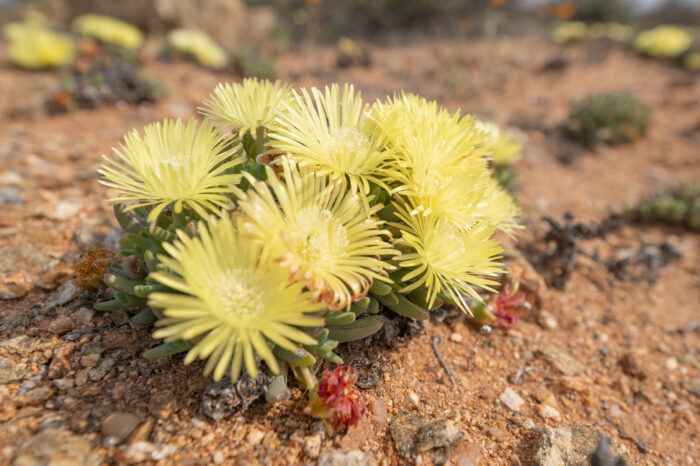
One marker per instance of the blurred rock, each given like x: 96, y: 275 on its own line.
x: 511, y: 399
x: 335, y: 457
x: 117, y: 427
x: 54, y: 447
x: 632, y: 366
x: 312, y: 446
x: 559, y: 359
x: 63, y: 295
x: 570, y: 444
x: 415, y: 433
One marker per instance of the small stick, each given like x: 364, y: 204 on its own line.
x: 436, y: 341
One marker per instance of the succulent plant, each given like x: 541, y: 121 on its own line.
x: 611, y: 118
x: 198, y: 46
x: 663, y: 41
x: 679, y: 206
x: 261, y: 249
x: 34, y: 46
x: 108, y: 30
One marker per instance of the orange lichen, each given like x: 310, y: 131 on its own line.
x: 92, y: 267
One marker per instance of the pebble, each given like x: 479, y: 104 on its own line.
x: 218, y: 457
x: 35, y: 396
x: 64, y: 383
x: 90, y: 360
x: 456, y: 337
x: 63, y: 210
x: 547, y: 320
x: 563, y: 362
x: 14, y: 287
x: 511, y: 399
x: 566, y: 444
x: 83, y: 316
x: 312, y: 446
x: 101, y: 370
x: 62, y: 325
x: 632, y: 366
x: 56, y: 447
x: 336, y: 457
x: 117, y: 427
x: 146, y: 451
x: 162, y: 404
x: 254, y: 437
x: 413, y: 398
x: 548, y: 412
x: 672, y: 363
x: 62, y: 296
x: 379, y: 412
x: 415, y: 433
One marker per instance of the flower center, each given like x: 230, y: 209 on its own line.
x: 318, y: 235
x: 346, y: 141
x: 240, y: 293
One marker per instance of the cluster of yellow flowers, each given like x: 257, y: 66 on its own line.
x: 290, y: 207
x: 664, y: 41
x: 34, y: 46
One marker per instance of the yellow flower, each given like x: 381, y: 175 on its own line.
x: 503, y: 145
x: 108, y: 30
x: 323, y: 234
x: 233, y: 304
x: 246, y: 106
x: 199, y: 45
x: 172, y: 163
x: 569, y: 31
x: 663, y: 41
x: 330, y: 132
x: 444, y: 258
x: 34, y: 47
x: 497, y: 208
x: 692, y: 61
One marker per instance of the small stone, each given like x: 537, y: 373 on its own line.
x: 632, y: 367
x: 566, y: 444
x: 14, y: 287
x: 81, y: 377
x: 413, y: 398
x: 562, y: 361
x: 101, y: 370
x: 83, y: 316
x: 218, y: 457
x: 221, y: 399
x: 13, y: 375
x: 496, y: 433
x: 544, y: 396
x: 56, y: 447
x: 63, y: 295
x: 90, y: 360
x: 615, y: 410
x: 456, y: 337
x: 312, y: 446
x: 35, y: 396
x: 117, y: 427
x: 379, y: 412
x: 415, y: 433
x: 672, y: 363
x: 64, y: 383
x: 548, y: 412
x: 692, y: 385
x: 547, y: 320
x: 162, y: 404
x: 254, y: 437
x: 61, y: 325
x: 467, y: 454
x: 528, y: 424
x: 146, y: 451
x: 511, y: 399
x: 336, y: 457
x: 142, y: 433
x: 63, y: 210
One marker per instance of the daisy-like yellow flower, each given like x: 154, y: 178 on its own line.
x: 246, y: 106
x: 230, y: 301
x: 503, y: 146
x: 444, y: 258
x: 330, y: 132
x: 108, y: 30
x: 175, y: 164
x: 199, y: 46
x: 318, y: 230
x: 663, y: 41
x: 33, y: 46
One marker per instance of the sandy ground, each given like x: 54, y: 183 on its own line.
x: 633, y: 367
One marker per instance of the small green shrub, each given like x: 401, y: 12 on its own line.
x: 611, y: 118
x: 680, y: 207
